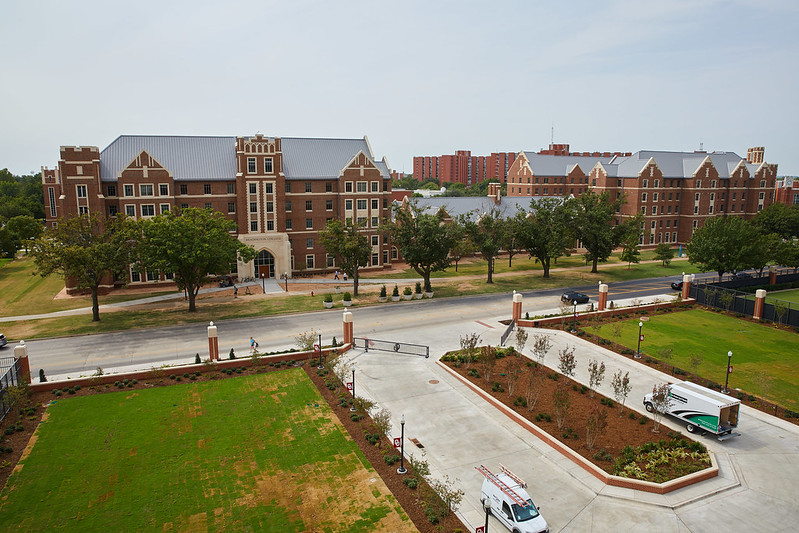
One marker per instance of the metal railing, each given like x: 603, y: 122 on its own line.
x: 10, y: 378
x: 507, y: 332
x: 735, y: 301
x: 392, y: 346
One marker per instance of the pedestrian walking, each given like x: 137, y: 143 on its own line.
x: 235, y: 291
x: 345, y: 276
x: 336, y: 275
x: 253, y: 345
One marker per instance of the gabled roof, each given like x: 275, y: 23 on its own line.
x: 309, y: 158
x: 186, y: 157
x: 672, y: 164
x: 461, y: 205
x: 561, y: 165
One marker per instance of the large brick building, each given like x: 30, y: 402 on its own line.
x: 463, y: 167
x: 280, y: 191
x: 676, y: 191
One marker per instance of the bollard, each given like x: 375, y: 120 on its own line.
x: 603, y: 296
x: 347, y: 326
x: 213, y: 343
x: 760, y: 298
x: 517, y: 306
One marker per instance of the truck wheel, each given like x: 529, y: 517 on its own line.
x: 649, y: 407
x: 691, y: 428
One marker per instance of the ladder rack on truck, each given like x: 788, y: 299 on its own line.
x: 522, y: 483
x: 504, y: 487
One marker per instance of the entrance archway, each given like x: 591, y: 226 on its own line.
x: 265, y: 264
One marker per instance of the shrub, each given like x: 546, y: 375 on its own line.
x: 171, y: 376
x: 496, y: 387
x: 186, y: 375
x: 197, y: 359
x: 328, y: 298
x: 520, y: 402
x: 410, y: 482
x: 395, y: 292
x: 642, y: 420
x: 391, y: 459
x: 347, y: 297
x: 474, y: 373
x: 632, y: 415
x: 407, y: 291
x: 383, y: 292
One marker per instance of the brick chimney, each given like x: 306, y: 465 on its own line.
x: 755, y: 155
x: 494, y: 192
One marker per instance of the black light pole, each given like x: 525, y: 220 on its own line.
x: 638, y: 351
x: 353, y: 389
x: 401, y: 469
x: 574, y: 316
x: 286, y: 277
x: 727, y: 377
x: 263, y: 281
x: 320, y: 351
x: 487, y: 507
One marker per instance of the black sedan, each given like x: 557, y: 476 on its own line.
x: 676, y: 285
x: 3, y: 340
x: 574, y: 296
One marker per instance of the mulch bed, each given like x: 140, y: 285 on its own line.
x: 408, y: 498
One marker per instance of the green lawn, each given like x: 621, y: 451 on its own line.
x: 789, y: 295
x: 257, y: 453
x: 765, y: 360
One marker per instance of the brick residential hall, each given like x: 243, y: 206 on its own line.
x: 280, y: 191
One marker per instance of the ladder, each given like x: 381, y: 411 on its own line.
x: 512, y: 494
x: 522, y: 483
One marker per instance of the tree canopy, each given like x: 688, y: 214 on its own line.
x: 594, y: 215
x: 21, y: 195
x: 486, y: 231
x: 190, y: 243
x: 88, y: 249
x: 349, y: 245
x: 780, y: 219
x: 546, y: 231
x: 723, y: 244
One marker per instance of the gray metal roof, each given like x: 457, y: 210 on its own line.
x: 672, y: 164
x: 309, y: 158
x: 561, y: 165
x: 462, y: 205
x: 187, y: 157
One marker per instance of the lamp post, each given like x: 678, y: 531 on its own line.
x: 320, y: 351
x: 286, y: 277
x: 727, y: 377
x: 487, y: 508
x: 352, y: 409
x: 574, y: 316
x: 401, y: 469
x: 640, y: 336
x: 263, y: 281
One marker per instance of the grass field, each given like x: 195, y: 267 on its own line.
x: 765, y: 360
x: 256, y: 453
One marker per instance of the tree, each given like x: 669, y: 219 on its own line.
x: 723, y: 244
x: 664, y: 253
x: 621, y: 388
x: 631, y: 237
x: 541, y: 345
x: 596, y: 373
x: 561, y: 404
x: 513, y: 237
x: 87, y: 250
x: 659, y: 404
x: 631, y: 252
x: 593, y: 223
x: 382, y: 421
x: 25, y: 228
x: 534, y: 385
x: 521, y: 339
x: 190, y: 243
x: 546, y: 231
x: 469, y: 344
x: 778, y: 218
x: 349, y: 245
x: 764, y: 251
x: 595, y: 425
x: 462, y: 245
x: 9, y: 243
x: 424, y: 240
x: 566, y: 361
x: 486, y: 232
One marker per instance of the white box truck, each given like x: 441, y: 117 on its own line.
x: 702, y: 408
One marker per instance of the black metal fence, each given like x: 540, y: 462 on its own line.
x: 10, y: 378
x: 507, y: 332
x: 728, y: 296
x: 392, y: 346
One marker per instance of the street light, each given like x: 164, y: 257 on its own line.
x: 574, y: 316
x: 487, y: 507
x: 320, y: 352
x: 286, y: 277
x: 638, y: 351
x: 263, y: 281
x: 401, y: 469
x: 727, y: 377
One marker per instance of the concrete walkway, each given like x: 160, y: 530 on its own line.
x: 755, y: 489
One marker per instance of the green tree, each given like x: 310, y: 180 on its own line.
x: 21, y: 195
x: 723, y: 244
x: 25, y: 228
x: 780, y: 219
x: 462, y: 245
x: 664, y: 253
x: 349, y: 245
x: 486, y: 232
x: 631, y: 237
x: 191, y: 243
x: 424, y: 240
x: 546, y: 230
x: 86, y: 250
x: 9, y: 243
x: 593, y: 223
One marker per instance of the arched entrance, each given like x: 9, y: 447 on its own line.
x: 265, y: 264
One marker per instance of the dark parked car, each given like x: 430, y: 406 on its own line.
x: 574, y: 296
x: 676, y: 285
x: 3, y: 340
x: 741, y: 275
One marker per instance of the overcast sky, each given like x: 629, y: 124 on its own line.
x: 416, y: 77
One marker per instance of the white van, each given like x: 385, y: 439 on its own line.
x: 510, y: 502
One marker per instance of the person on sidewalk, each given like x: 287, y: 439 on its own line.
x: 253, y: 345
x: 345, y: 276
x: 336, y: 275
x: 235, y: 291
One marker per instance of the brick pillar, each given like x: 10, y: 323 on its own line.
x: 772, y: 275
x: 686, y: 286
x: 21, y: 355
x: 348, y: 329
x: 213, y: 343
x: 760, y: 298
x: 603, y: 296
x: 517, y: 306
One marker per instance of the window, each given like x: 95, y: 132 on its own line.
x: 253, y: 188
x: 253, y: 225
x: 152, y: 275
x: 251, y: 165
x: 696, y: 197
x: 654, y: 197
x: 657, y: 184
x: 761, y: 195
x: 698, y: 184
x: 667, y: 237
x: 231, y: 207
x: 348, y: 205
x: 695, y: 224
x: 163, y: 189
x: 129, y: 190
x: 330, y: 261
x: 145, y: 190
x: 654, y: 210
x: 169, y: 275
x: 375, y: 204
x: 348, y: 186
x: 207, y: 205
x: 270, y: 207
x: 267, y: 165
x: 309, y: 243
x: 112, y: 210
x: 112, y: 190
x: 184, y: 206
x: 375, y: 240
x: 83, y: 210
x: 668, y: 223
x: 164, y: 208
x: 81, y: 191
x: 394, y: 253
x: 653, y: 224
x: 206, y: 188
x: 289, y: 224
x: 288, y: 186
x: 643, y: 210
x: 309, y: 261
x: 329, y: 186
x: 135, y: 276
x: 361, y: 204
x: 329, y: 205
x: 130, y: 210
x: 375, y: 259
x: 270, y: 225
x: 231, y: 188
x: 288, y: 206
x: 712, y: 196
x: 362, y: 221
x: 762, y: 184
x: 308, y: 205
x: 308, y: 223
x: 308, y: 186
x: 643, y: 197
x: 651, y: 238
x: 184, y: 189
x: 385, y: 203
x: 360, y: 186
x: 375, y: 222
x: 268, y: 188
x: 375, y: 187
x: 696, y: 209
x: 710, y: 209
x: 253, y: 207
x: 646, y: 183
